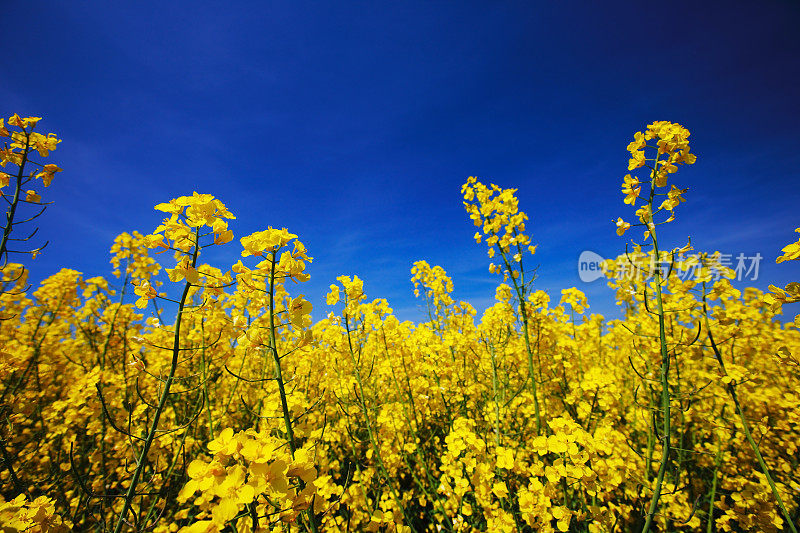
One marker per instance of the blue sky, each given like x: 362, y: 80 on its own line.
x: 354, y: 124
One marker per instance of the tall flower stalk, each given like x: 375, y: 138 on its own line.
x: 669, y: 145
x: 20, y: 144
x: 181, y: 233
x: 496, y: 211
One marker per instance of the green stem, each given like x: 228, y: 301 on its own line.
x: 151, y: 435
x: 665, y: 396
x: 519, y: 288
x: 287, y: 419
x: 12, y: 209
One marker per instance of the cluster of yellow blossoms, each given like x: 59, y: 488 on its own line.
x: 24, y: 141
x: 225, y: 408
x: 496, y: 211
x: 20, y: 143
x: 670, y: 150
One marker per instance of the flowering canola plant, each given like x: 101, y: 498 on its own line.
x: 176, y: 395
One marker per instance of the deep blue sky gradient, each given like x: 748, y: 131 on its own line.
x: 354, y: 124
